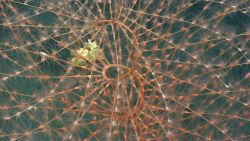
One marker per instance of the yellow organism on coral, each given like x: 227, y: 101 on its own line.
x: 89, y: 54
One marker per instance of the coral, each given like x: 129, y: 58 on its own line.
x: 125, y: 70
